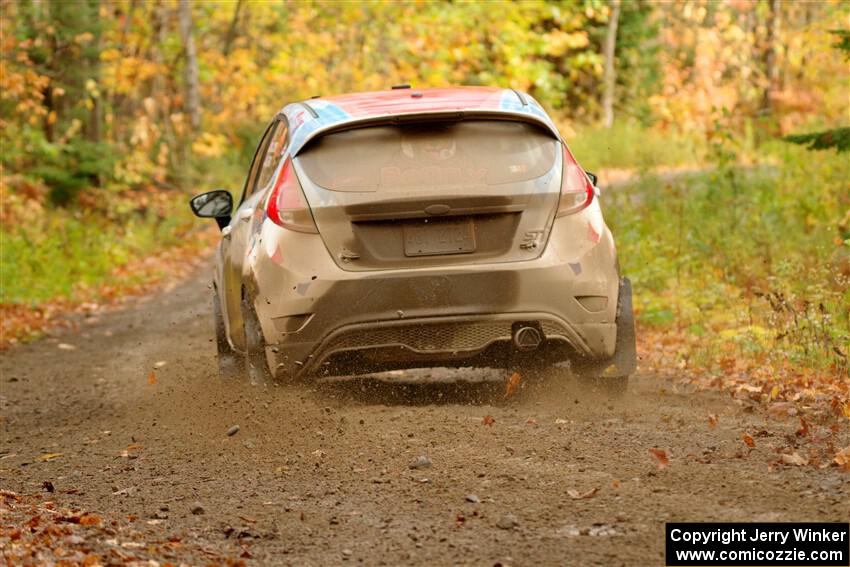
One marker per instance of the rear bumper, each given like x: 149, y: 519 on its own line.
x: 479, y: 340
x: 317, y: 318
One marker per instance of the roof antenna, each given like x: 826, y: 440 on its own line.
x: 399, y: 87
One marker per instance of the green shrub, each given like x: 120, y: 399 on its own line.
x: 71, y: 167
x: 630, y: 145
x: 752, y: 255
x: 51, y: 256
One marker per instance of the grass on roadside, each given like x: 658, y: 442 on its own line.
x: 746, y: 270
x: 55, y: 261
x: 630, y: 146
x: 59, y: 253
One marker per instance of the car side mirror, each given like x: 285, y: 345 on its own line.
x: 593, y: 177
x: 216, y: 205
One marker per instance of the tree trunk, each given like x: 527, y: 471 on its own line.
x: 770, y: 57
x: 808, y: 13
x: 231, y: 31
x: 49, y: 116
x: 158, y: 13
x: 94, y: 126
x: 159, y: 17
x: 610, y: 72
x: 193, y: 101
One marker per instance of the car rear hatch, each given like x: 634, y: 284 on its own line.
x: 432, y: 192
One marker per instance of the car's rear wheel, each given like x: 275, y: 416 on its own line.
x: 255, y: 346
x: 611, y: 375
x: 230, y: 363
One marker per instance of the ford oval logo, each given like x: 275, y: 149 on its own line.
x: 437, y: 209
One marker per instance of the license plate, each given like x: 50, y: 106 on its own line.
x: 431, y: 237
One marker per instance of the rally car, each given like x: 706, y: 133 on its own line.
x: 416, y: 228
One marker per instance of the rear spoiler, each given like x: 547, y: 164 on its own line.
x: 300, y: 142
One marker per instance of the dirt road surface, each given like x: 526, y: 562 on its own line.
x: 322, y: 474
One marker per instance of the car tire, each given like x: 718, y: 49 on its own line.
x: 611, y: 375
x: 255, y: 346
x: 231, y: 364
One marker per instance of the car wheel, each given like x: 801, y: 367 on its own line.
x: 255, y: 346
x: 611, y: 375
x: 230, y: 363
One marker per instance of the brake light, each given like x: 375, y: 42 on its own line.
x: 576, y: 188
x: 287, y: 205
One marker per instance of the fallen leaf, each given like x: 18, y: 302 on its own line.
x: 132, y: 544
x: 615, y: 483
x: 712, y: 420
x: 576, y: 495
x: 512, y: 385
x: 842, y: 459
x: 9, y: 494
x: 89, y: 520
x: 152, y: 378
x: 49, y: 456
x: 804, y: 427
x: 488, y: 420
x: 660, y: 456
x: 531, y: 421
x: 774, y: 392
x: 129, y: 451
x: 57, y: 531
x: 748, y: 440
x: 793, y: 459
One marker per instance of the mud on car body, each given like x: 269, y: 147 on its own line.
x: 413, y: 228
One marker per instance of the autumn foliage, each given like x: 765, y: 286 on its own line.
x: 97, y: 93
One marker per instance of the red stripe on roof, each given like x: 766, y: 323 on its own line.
x: 402, y: 101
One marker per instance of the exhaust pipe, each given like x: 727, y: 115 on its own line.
x: 527, y: 338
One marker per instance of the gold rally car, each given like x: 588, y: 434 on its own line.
x: 414, y: 228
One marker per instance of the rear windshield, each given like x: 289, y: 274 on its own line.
x: 466, y: 155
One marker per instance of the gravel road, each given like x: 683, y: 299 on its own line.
x: 180, y: 466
